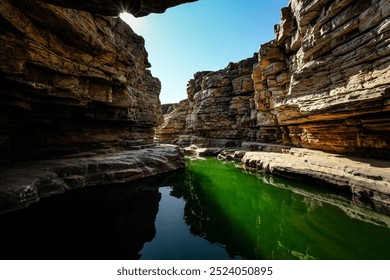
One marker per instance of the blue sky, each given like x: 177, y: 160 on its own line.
x: 204, y: 35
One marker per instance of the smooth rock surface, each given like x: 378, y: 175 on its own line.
x: 24, y: 183
x: 364, y: 178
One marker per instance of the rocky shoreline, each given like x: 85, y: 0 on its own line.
x: 25, y: 183
x: 368, y: 180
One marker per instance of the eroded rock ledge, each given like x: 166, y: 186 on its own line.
x: 24, y: 183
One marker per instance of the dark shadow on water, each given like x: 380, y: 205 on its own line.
x: 111, y: 222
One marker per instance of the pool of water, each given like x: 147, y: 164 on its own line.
x: 210, y: 210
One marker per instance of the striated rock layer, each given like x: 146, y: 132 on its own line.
x: 72, y: 82
x: 218, y: 111
x: 326, y: 76
x: 24, y: 183
x: 323, y: 83
x: 75, y: 84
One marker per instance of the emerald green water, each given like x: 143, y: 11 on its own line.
x: 231, y: 214
x: 210, y: 210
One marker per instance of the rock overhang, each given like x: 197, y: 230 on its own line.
x: 138, y: 8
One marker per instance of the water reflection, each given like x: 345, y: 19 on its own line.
x: 272, y: 218
x: 95, y: 223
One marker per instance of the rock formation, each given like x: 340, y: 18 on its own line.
x: 72, y: 82
x: 218, y: 110
x: 75, y: 81
x: 323, y: 83
x: 326, y: 76
x: 114, y: 7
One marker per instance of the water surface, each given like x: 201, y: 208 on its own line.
x: 266, y: 217
x: 209, y: 211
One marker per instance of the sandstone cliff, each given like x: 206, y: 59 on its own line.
x: 326, y: 77
x: 75, y: 82
x: 72, y: 82
x: 323, y: 83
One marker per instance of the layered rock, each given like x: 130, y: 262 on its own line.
x: 72, y: 82
x: 365, y: 179
x: 75, y: 84
x: 323, y: 83
x: 218, y: 110
x: 326, y: 76
x: 174, y: 122
x: 24, y: 183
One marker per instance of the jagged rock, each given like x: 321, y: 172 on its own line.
x: 174, y: 122
x: 219, y: 110
x: 115, y: 7
x: 76, y: 84
x: 24, y: 183
x: 337, y: 94
x: 72, y: 82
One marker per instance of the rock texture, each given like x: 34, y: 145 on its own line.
x: 115, y: 7
x: 218, y: 109
x: 367, y: 179
x: 326, y: 76
x: 24, y: 183
x: 75, y: 83
x: 323, y: 83
x: 72, y: 82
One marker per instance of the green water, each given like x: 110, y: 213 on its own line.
x: 231, y: 214
x: 209, y: 210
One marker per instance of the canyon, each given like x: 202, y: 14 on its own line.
x: 80, y: 107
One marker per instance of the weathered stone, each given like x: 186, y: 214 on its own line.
x: 72, y: 82
x: 219, y: 110
x: 323, y: 83
x: 24, y: 183
x: 115, y: 7
x: 364, y: 178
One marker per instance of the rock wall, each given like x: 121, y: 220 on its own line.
x: 75, y: 87
x: 326, y: 76
x: 73, y: 81
x: 323, y: 83
x: 219, y: 110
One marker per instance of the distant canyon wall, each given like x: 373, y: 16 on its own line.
x: 74, y: 81
x: 323, y: 83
